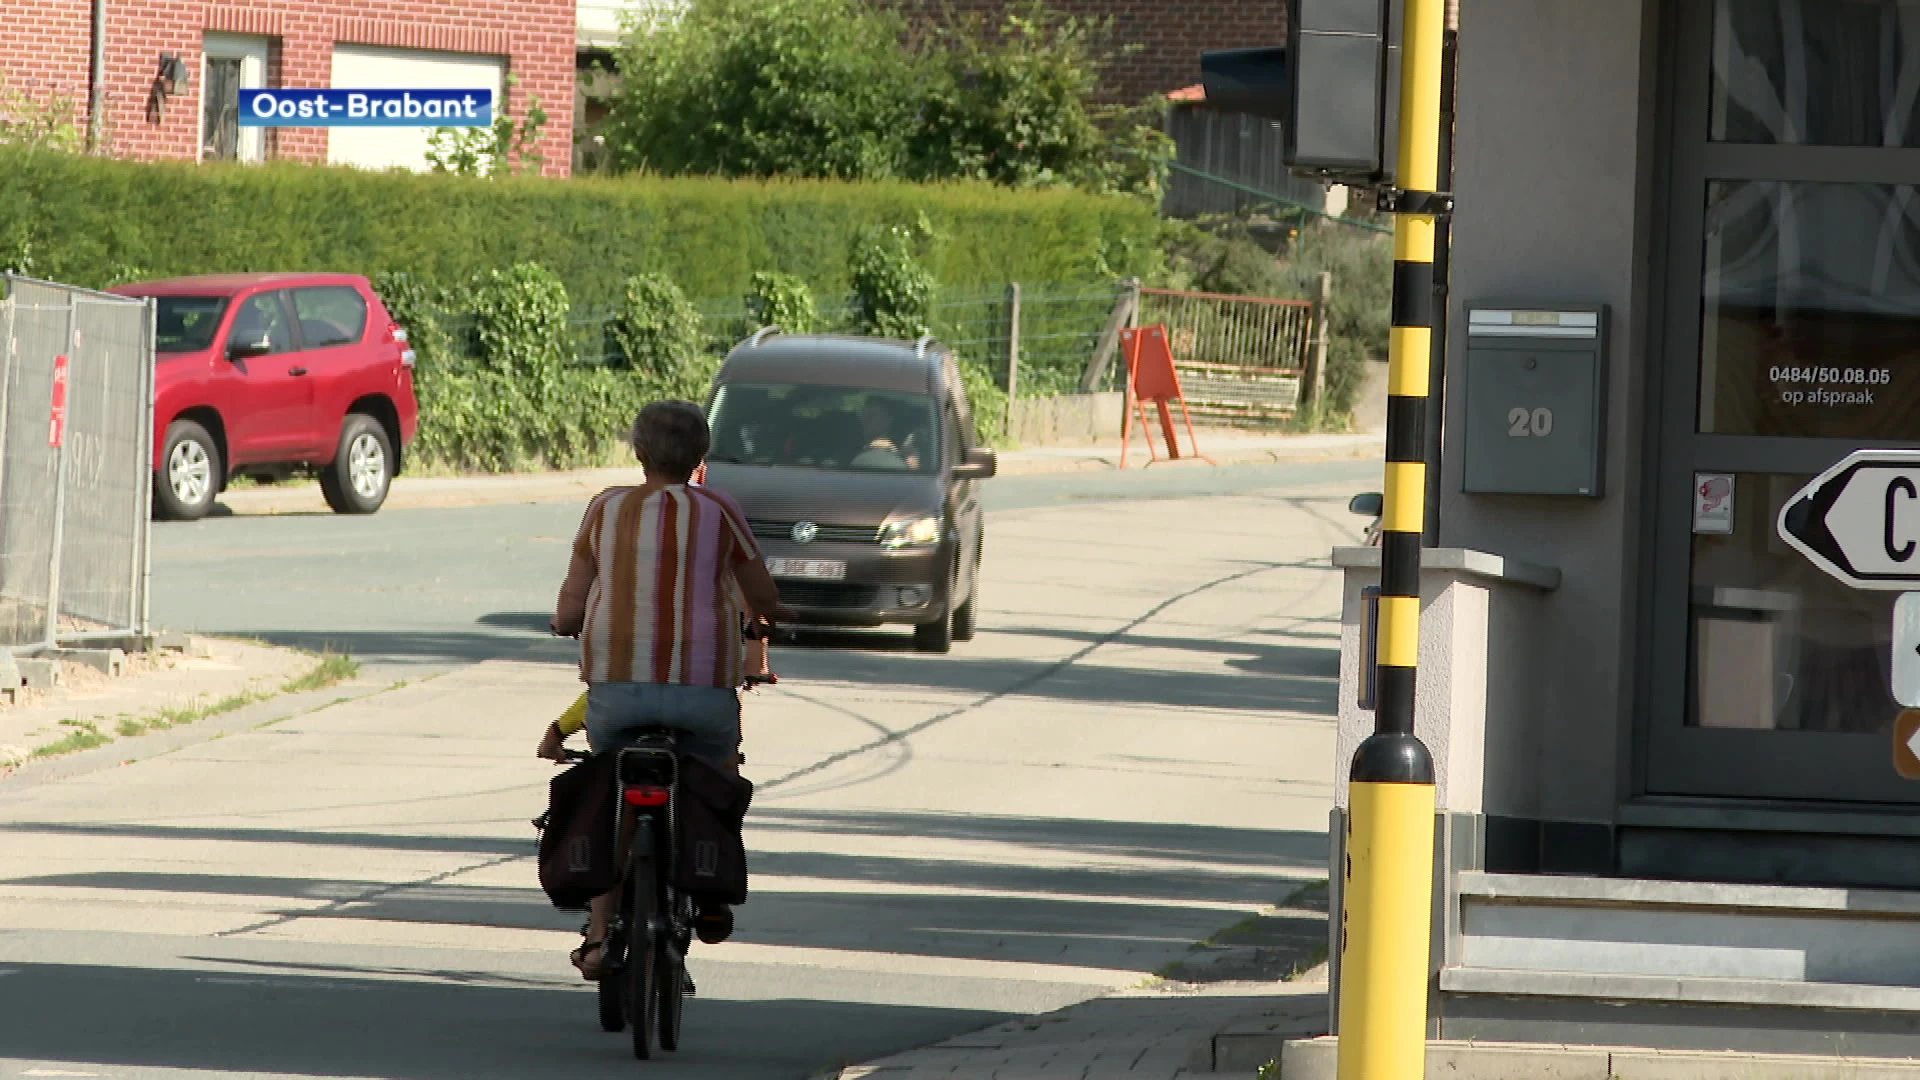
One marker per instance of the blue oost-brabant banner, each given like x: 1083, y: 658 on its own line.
x: 366, y: 108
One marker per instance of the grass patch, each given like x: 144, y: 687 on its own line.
x: 333, y: 669
x: 1314, y: 958
x: 84, y: 736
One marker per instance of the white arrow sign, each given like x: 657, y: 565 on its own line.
x: 1905, y: 669
x: 1860, y: 520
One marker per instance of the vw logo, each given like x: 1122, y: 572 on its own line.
x: 804, y: 532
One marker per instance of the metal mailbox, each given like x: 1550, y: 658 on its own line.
x: 1535, y: 408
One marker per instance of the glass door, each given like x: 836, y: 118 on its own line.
x: 1792, y: 338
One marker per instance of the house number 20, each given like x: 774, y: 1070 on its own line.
x: 1524, y: 422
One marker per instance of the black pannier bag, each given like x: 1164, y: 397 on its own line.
x: 577, y: 834
x: 712, y: 857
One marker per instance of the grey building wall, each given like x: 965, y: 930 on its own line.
x: 1553, y: 172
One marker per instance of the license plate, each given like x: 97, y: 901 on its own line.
x: 818, y: 569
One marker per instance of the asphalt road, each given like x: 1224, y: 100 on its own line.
x: 1134, y: 752
x: 440, y: 586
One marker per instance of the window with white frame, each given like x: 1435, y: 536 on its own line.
x: 231, y: 63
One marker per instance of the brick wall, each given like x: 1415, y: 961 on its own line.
x: 45, y: 44
x: 1171, y: 34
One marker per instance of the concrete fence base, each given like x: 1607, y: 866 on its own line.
x: 1065, y: 420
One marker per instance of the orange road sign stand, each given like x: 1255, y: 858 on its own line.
x: 1151, y: 377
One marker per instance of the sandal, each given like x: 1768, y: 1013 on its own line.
x: 590, y: 972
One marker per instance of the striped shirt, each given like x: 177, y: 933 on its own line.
x: 651, y: 586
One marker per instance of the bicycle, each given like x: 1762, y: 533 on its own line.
x: 644, y: 981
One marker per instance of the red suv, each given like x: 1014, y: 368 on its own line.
x: 267, y: 374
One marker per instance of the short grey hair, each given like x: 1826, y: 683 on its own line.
x: 671, y: 437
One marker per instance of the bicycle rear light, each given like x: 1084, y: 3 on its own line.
x: 647, y: 795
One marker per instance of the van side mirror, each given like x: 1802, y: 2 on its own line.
x: 979, y: 463
x: 1368, y: 505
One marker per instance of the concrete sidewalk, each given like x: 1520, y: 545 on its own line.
x: 156, y: 691
x: 1222, y: 447
x: 1165, y: 1031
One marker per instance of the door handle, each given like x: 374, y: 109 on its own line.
x: 297, y: 371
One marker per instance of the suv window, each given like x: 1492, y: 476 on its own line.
x: 186, y: 323
x: 330, y: 315
x: 261, y: 320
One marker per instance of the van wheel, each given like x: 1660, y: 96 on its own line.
x: 362, y: 469
x: 965, y: 615
x: 936, y: 636
x: 189, y: 473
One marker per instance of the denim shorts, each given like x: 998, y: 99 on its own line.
x: 706, y: 718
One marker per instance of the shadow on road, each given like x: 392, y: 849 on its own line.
x: 992, y: 906
x: 425, y: 647
x: 450, y: 1028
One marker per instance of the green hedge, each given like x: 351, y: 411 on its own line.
x: 92, y: 221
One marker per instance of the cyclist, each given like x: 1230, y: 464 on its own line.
x: 652, y: 593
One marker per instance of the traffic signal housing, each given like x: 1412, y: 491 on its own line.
x: 1334, y: 88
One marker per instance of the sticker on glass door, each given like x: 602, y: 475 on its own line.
x: 1713, y: 504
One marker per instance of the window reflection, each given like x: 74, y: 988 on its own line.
x: 1811, y: 310
x: 1776, y: 643
x: 1817, y: 72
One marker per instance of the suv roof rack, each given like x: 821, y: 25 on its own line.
x: 920, y: 347
x: 764, y: 333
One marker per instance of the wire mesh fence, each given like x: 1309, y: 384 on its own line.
x: 1242, y: 357
x: 1060, y: 326
x: 76, y: 444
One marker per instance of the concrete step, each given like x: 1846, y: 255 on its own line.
x: 1689, y: 930
x: 1315, y: 1059
x: 1683, y: 965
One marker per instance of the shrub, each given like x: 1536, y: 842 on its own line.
x: 520, y: 321
x: 892, y: 288
x: 657, y: 330
x: 782, y: 300
x: 50, y: 123
x: 501, y: 149
x: 82, y: 219
x: 989, y: 401
x: 1361, y: 313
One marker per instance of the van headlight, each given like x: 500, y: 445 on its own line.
x: 914, y: 532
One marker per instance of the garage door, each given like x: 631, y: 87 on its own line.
x: 365, y: 67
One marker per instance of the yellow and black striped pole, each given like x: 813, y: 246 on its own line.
x: 1388, y: 892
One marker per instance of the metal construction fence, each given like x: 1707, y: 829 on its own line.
x: 1239, y: 357
x: 76, y: 463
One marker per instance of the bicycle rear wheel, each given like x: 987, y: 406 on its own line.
x: 613, y: 1005
x: 640, y: 974
x: 671, y: 978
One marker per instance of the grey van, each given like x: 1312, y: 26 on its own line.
x: 856, y: 462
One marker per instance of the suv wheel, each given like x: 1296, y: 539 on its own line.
x: 362, y: 469
x: 189, y: 473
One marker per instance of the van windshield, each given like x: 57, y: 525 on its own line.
x: 186, y: 323
x: 841, y: 428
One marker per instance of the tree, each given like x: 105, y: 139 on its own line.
x: 833, y: 88
x: 818, y: 88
